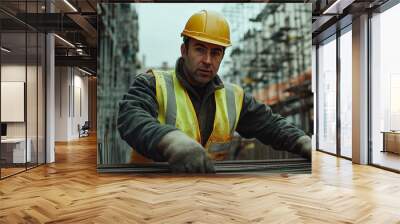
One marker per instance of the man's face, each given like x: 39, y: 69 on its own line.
x: 201, y: 61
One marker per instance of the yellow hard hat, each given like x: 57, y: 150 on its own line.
x: 208, y: 26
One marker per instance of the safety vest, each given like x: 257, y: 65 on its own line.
x: 175, y: 108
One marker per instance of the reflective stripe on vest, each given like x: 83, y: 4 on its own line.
x: 175, y: 108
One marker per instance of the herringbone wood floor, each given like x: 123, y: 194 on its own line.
x: 71, y: 191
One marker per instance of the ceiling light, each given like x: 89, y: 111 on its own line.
x: 79, y: 51
x: 337, y: 7
x: 70, y: 5
x: 65, y: 41
x: 5, y: 49
x: 86, y: 72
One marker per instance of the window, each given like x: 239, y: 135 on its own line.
x: 346, y: 94
x: 327, y: 96
x: 385, y: 89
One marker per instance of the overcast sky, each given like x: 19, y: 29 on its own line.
x: 160, y: 26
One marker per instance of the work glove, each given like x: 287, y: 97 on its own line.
x: 303, y: 147
x: 184, y: 154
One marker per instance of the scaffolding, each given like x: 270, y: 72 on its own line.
x: 271, y: 56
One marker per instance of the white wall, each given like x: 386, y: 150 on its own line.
x: 71, y: 93
x: 61, y: 103
x: 81, y: 81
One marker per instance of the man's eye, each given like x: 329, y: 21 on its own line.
x: 216, y: 53
x: 201, y: 50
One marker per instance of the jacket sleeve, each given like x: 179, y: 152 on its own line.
x: 258, y: 121
x: 137, y: 118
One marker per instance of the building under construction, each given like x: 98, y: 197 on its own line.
x: 271, y: 57
x: 118, y: 57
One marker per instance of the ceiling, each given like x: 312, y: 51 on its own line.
x: 328, y: 15
x: 74, y: 22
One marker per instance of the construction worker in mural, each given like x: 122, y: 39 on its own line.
x: 188, y: 116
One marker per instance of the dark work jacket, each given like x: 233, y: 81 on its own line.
x: 139, y: 127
